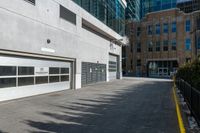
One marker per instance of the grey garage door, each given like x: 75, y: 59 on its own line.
x: 113, y: 67
x: 92, y: 73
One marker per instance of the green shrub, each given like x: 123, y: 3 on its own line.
x: 190, y: 72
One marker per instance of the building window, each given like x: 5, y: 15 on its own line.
x: 198, y: 23
x: 138, y: 47
x: 67, y: 15
x: 174, y: 44
x: 165, y: 28
x: 31, y: 1
x: 174, y: 27
x: 131, y: 64
x: 165, y: 45
x: 198, y: 43
x: 138, y: 31
x: 110, y: 12
x: 158, y: 46
x: 150, y: 46
x: 188, y: 44
x: 131, y: 49
x: 187, y: 25
x: 158, y: 29
x: 150, y: 30
x: 138, y: 62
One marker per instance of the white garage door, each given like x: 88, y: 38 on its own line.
x: 22, y: 77
x: 113, y: 64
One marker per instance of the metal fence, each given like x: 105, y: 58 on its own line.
x: 191, y: 97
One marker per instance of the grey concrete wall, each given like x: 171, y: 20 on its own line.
x: 26, y: 28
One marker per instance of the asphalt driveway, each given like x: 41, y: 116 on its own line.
x: 122, y: 106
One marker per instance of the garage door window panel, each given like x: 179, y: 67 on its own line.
x: 64, y: 78
x: 64, y: 70
x: 41, y: 80
x: 54, y: 70
x: 53, y: 79
x: 23, y: 81
x: 7, y: 82
x: 7, y: 70
x: 25, y: 70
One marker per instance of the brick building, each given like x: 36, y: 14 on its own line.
x: 161, y: 42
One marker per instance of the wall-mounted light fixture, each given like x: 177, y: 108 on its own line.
x: 48, y: 41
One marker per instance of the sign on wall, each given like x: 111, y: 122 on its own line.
x: 41, y: 71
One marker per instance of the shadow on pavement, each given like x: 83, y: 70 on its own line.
x: 108, y: 113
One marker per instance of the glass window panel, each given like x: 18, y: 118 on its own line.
x: 7, y: 82
x: 110, y: 12
x: 174, y: 44
x: 31, y: 1
x: 165, y: 45
x: 188, y: 44
x: 53, y: 70
x: 67, y: 15
x: 41, y: 80
x: 7, y: 70
x: 53, y: 79
x: 150, y: 30
x: 64, y: 70
x: 174, y: 27
x: 25, y: 70
x: 198, y: 43
x: 158, y: 29
x: 65, y: 78
x: 22, y: 81
x: 158, y: 46
x: 165, y: 28
x: 187, y: 26
x: 138, y: 47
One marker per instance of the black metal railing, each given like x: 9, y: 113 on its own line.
x: 191, y: 97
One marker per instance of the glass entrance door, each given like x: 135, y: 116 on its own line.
x: 163, y: 72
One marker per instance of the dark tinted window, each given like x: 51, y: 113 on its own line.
x: 31, y: 1
x: 41, y: 80
x: 25, y: 70
x: 7, y: 82
x: 25, y: 81
x: 7, y: 71
x: 67, y: 15
x: 53, y: 79
x: 65, y: 78
x: 53, y: 70
x: 64, y: 70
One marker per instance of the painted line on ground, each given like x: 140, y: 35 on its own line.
x: 178, y: 112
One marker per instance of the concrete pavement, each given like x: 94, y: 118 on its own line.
x: 122, y: 106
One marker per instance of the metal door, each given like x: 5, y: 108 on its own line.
x: 92, y: 73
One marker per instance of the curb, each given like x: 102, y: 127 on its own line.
x: 178, y: 112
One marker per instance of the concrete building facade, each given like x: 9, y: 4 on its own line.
x: 162, y: 42
x: 54, y: 45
